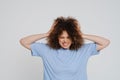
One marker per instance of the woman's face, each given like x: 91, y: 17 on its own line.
x: 64, y: 40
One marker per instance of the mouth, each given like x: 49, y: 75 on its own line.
x: 65, y: 44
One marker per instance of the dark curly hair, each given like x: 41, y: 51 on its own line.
x: 71, y: 26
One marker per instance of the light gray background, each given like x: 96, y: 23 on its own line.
x: 19, y: 18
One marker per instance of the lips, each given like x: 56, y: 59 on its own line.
x: 65, y: 44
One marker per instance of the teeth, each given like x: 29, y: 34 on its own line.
x: 65, y: 44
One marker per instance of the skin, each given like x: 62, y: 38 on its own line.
x: 64, y: 40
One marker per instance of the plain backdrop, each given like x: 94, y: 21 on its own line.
x: 20, y: 18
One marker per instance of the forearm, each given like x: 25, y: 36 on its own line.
x: 101, y: 41
x: 26, y: 41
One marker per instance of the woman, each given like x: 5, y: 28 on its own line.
x: 65, y: 54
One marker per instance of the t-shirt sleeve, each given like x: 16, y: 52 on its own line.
x: 92, y: 48
x: 38, y: 49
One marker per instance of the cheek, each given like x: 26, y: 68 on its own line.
x: 60, y: 40
x: 69, y: 41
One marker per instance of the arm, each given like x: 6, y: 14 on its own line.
x: 27, y: 41
x: 100, y: 41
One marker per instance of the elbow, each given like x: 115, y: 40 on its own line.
x: 104, y: 44
x: 107, y: 42
x: 22, y: 42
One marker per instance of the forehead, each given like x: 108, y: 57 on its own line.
x: 64, y: 33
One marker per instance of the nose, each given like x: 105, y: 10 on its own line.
x: 65, y: 39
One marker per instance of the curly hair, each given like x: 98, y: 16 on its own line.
x: 71, y: 26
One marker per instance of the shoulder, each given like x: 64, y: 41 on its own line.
x: 39, y: 49
x: 88, y: 46
x: 39, y: 45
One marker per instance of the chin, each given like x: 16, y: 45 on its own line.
x: 65, y: 47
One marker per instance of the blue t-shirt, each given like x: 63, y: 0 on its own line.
x: 64, y: 64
